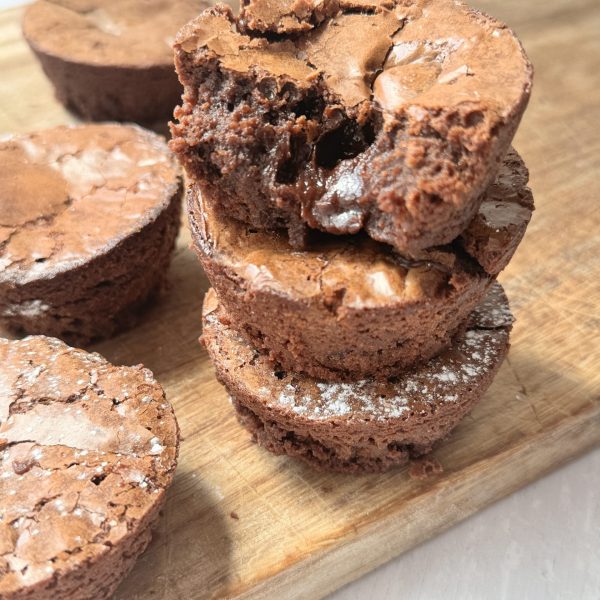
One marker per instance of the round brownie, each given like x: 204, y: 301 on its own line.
x: 348, y: 306
x: 386, y: 116
x: 366, y: 425
x: 110, y: 59
x: 87, y: 451
x: 88, y: 221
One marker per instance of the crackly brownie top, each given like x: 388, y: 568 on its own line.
x: 417, y: 392
x: 371, y: 274
x: 70, y: 194
x: 86, y: 452
x: 109, y: 32
x: 353, y: 273
x: 422, y: 53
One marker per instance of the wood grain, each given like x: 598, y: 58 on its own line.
x: 240, y: 523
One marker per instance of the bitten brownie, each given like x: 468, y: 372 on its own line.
x: 367, y: 425
x: 385, y: 116
x: 87, y: 451
x: 110, y: 59
x: 88, y: 221
x: 348, y: 306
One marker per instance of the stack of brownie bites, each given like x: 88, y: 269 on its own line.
x: 353, y: 198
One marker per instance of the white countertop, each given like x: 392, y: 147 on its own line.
x: 540, y: 543
x: 11, y: 3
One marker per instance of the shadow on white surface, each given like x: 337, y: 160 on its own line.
x: 540, y: 543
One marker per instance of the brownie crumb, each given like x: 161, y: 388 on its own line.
x: 424, y: 468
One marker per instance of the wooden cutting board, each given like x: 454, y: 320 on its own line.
x: 241, y: 523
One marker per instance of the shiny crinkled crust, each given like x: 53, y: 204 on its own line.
x: 87, y: 451
x: 82, y: 190
x: 341, y: 309
x: 109, y: 32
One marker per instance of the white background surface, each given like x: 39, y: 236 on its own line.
x: 11, y: 3
x: 541, y: 543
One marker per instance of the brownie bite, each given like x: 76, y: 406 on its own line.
x: 368, y: 425
x: 88, y: 221
x: 87, y: 452
x: 389, y: 116
x: 349, y: 307
x: 110, y: 59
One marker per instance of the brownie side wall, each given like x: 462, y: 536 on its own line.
x: 113, y: 93
x: 100, y: 576
x: 349, y: 444
x: 336, y: 342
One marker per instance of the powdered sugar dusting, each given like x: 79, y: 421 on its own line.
x: 493, y: 312
x: 28, y: 308
x: 453, y: 377
x: 437, y: 382
x: 326, y: 399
